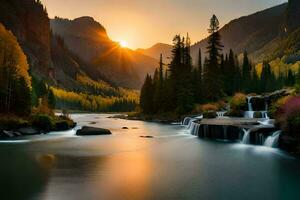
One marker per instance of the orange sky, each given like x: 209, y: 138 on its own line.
x: 142, y: 23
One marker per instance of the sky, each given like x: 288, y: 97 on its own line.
x: 143, y: 23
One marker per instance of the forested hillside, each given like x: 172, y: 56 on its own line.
x: 52, y: 63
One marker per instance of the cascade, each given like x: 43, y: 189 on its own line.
x: 250, y: 108
x: 195, y: 129
x: 251, y: 112
x: 186, y: 120
x: 272, y: 140
x: 246, y: 137
x: 221, y: 113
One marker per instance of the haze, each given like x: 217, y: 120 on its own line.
x: 142, y: 23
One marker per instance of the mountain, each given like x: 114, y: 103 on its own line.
x: 250, y: 33
x: 261, y: 34
x: 88, y: 39
x: 29, y: 22
x: 156, y: 50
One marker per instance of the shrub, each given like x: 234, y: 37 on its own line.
x: 209, y: 107
x: 12, y: 122
x: 43, y: 122
x: 288, y: 116
x: 209, y: 114
x: 238, y: 103
x: 275, y: 106
x: 63, y: 123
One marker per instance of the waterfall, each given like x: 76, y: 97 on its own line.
x: 264, y: 114
x: 195, y: 129
x: 272, y: 140
x: 249, y: 114
x: 246, y: 137
x: 186, y: 120
x: 250, y: 108
x: 221, y: 113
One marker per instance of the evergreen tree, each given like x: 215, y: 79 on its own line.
x: 246, y: 73
x: 212, y: 79
x: 290, y: 79
x: 159, y: 84
x: 146, y: 98
x: 51, y: 99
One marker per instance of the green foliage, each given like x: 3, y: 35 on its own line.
x: 237, y: 104
x: 43, y: 122
x: 96, y: 103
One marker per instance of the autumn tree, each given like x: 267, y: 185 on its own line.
x: 15, y: 82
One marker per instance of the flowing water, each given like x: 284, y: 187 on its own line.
x: 123, y: 166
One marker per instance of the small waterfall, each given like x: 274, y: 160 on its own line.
x: 195, y: 129
x: 264, y: 114
x: 250, y: 107
x: 186, y: 120
x: 221, y: 113
x: 249, y: 114
x: 246, y: 137
x: 272, y: 140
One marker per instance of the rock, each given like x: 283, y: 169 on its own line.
x: 87, y: 130
x: 28, y: 131
x: 146, y: 136
x: 288, y: 143
x: 125, y: 127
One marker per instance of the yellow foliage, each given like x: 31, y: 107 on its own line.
x: 12, y: 56
x: 279, y: 66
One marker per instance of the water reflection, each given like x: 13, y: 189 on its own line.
x: 172, y: 165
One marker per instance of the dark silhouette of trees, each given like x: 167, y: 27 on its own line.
x: 212, y: 79
x: 179, y: 87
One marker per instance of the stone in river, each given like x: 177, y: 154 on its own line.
x: 87, y: 130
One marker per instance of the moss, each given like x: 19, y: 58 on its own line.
x: 43, y: 122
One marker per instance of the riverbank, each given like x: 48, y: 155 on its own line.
x: 12, y: 126
x: 166, y: 118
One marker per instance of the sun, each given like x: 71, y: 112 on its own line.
x: 123, y: 44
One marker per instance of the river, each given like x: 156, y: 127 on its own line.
x: 123, y: 166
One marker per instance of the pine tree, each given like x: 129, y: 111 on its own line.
x: 246, y: 73
x: 146, y: 98
x: 212, y: 79
x: 158, y: 90
x: 51, y: 99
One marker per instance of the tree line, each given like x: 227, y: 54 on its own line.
x: 181, y: 85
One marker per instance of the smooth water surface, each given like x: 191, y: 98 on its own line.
x: 171, y: 166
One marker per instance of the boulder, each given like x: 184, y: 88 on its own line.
x: 87, y: 130
x: 28, y: 131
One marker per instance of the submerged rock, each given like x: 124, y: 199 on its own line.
x: 146, y: 136
x: 87, y: 130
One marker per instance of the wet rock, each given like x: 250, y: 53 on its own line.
x: 28, y: 131
x: 87, y: 130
